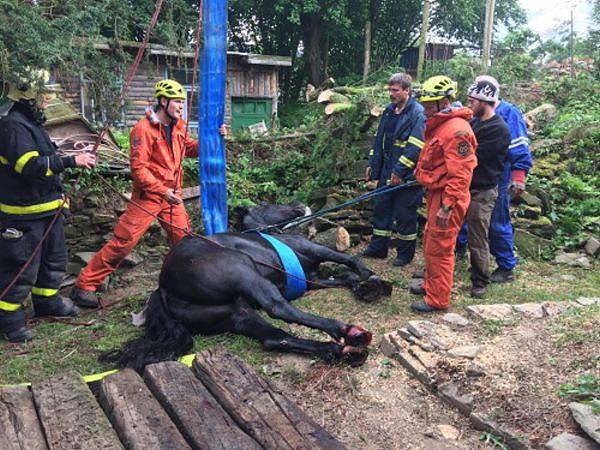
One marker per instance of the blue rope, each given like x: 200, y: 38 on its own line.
x: 361, y: 198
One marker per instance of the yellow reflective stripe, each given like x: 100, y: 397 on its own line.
x: 24, y: 159
x: 32, y: 209
x: 416, y: 141
x: 49, y: 172
x: 407, y: 237
x: 6, y: 306
x: 187, y: 359
x: 407, y: 162
x: 3, y: 160
x: 371, y: 152
x: 98, y: 376
x: 44, y: 292
x: 384, y: 233
x: 400, y: 143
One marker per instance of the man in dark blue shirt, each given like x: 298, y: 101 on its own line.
x: 394, y: 155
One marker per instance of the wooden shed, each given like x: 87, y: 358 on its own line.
x: 252, y: 86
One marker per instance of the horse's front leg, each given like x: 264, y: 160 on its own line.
x: 268, y: 297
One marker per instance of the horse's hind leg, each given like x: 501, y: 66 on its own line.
x: 326, y: 254
x: 349, y: 280
x: 248, y: 322
x: 367, y: 286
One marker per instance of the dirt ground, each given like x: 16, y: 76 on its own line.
x: 378, y: 405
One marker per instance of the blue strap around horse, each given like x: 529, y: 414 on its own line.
x: 296, y: 279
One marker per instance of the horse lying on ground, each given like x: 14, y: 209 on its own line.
x: 215, y: 286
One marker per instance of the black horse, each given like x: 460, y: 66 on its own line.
x: 215, y: 285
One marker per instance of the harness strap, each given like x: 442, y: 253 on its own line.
x: 295, y: 277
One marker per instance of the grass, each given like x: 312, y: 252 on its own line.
x: 577, y: 326
x: 61, y: 347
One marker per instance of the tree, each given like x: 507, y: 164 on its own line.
x: 60, y: 36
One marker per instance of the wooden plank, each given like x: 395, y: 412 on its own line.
x: 20, y: 428
x: 260, y: 409
x: 137, y: 416
x: 70, y: 415
x: 194, y: 410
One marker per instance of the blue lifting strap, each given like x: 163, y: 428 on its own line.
x: 296, y: 279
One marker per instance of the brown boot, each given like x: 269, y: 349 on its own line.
x: 86, y: 299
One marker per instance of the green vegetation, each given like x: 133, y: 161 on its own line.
x: 493, y: 440
x: 586, y: 390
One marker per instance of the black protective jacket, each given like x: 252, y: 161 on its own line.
x: 30, y: 187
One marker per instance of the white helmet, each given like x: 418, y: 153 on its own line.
x: 485, y: 88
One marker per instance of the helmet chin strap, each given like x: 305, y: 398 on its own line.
x: 173, y: 119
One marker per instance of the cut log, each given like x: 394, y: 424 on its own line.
x: 334, y: 108
x: 136, y: 415
x: 70, y: 415
x: 20, y: 428
x: 351, y: 90
x: 259, y: 408
x: 330, y: 96
x: 334, y: 238
x: 374, y: 113
x: 199, y: 417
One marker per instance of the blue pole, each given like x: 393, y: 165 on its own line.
x: 211, y: 114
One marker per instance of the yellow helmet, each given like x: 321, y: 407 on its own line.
x: 437, y: 88
x: 170, y: 89
x: 29, y: 89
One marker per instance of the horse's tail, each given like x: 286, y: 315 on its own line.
x: 166, y: 338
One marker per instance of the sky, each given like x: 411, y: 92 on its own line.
x: 545, y: 15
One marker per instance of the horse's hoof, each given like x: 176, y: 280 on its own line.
x: 358, y: 337
x: 373, y: 289
x: 354, y: 356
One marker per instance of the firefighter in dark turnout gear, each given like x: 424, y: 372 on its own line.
x: 395, y: 153
x: 30, y: 195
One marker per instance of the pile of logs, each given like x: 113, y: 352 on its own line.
x: 348, y: 98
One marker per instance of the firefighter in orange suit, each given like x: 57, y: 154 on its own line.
x: 159, y: 142
x: 445, y: 169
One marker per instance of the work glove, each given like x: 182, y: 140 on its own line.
x: 517, y: 183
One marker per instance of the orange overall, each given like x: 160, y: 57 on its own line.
x: 445, y: 169
x: 155, y: 168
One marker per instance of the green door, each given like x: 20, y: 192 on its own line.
x: 248, y: 111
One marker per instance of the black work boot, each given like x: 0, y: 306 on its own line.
x: 502, y: 276
x: 422, y: 307
x: 370, y: 252
x: 415, y: 286
x: 400, y: 262
x: 57, y: 306
x: 22, y: 334
x: 86, y: 299
x: 13, y: 327
x: 478, y: 291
